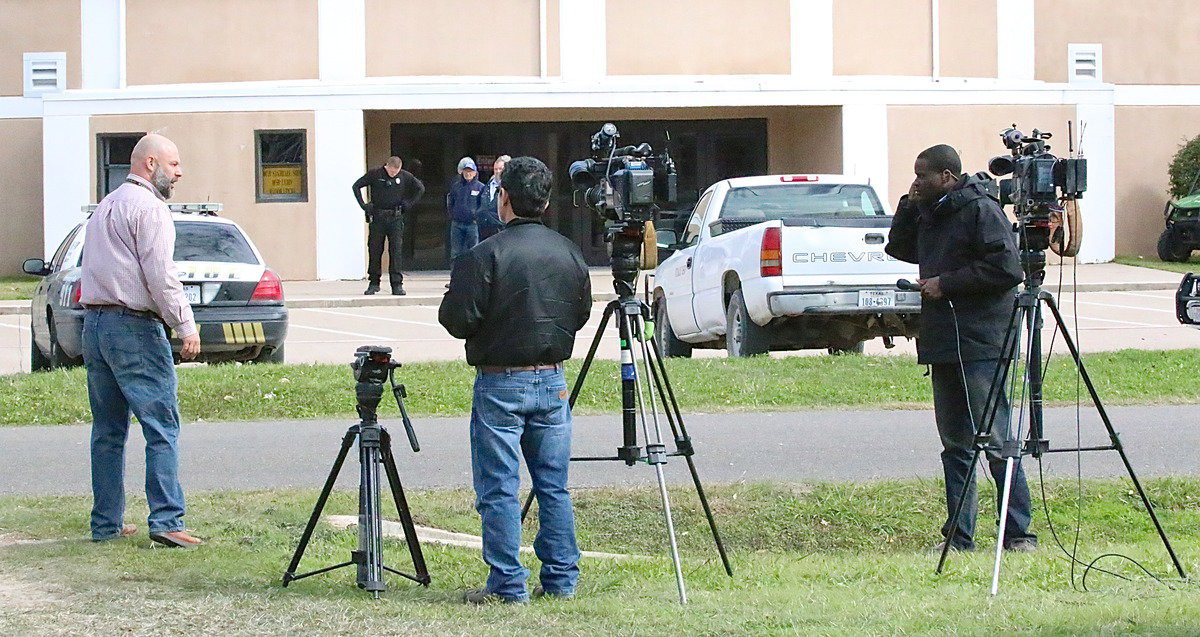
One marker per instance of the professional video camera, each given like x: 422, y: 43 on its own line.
x: 1042, y: 190
x: 626, y: 186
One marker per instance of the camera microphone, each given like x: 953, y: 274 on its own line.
x: 905, y: 284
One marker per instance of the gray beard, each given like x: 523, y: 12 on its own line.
x: 162, y: 182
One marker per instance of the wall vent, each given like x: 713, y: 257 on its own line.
x: 1085, y: 63
x: 45, y: 73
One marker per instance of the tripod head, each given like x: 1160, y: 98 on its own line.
x: 373, y: 365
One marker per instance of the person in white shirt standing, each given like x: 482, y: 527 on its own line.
x: 130, y: 287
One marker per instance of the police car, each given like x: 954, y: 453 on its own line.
x: 237, y: 300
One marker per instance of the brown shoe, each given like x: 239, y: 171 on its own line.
x: 176, y: 539
x: 128, y: 530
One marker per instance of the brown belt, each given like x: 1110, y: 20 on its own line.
x: 499, y: 369
x: 124, y: 310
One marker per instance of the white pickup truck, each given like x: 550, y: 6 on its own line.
x: 782, y: 262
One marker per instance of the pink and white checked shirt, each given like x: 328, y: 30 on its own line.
x: 128, y: 259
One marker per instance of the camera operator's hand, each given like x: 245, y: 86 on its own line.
x: 931, y: 288
x: 191, y: 347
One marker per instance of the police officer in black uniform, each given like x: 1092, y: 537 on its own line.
x: 394, y: 192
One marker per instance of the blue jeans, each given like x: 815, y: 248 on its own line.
x: 130, y: 371
x: 526, y: 414
x: 463, y: 237
x: 957, y: 431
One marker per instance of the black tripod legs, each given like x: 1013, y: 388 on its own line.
x: 290, y: 575
x: 1112, y: 432
x: 406, y: 521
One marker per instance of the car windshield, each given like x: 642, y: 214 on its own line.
x: 220, y: 242
x: 773, y: 202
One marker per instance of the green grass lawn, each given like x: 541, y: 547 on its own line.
x: 825, y: 559
x: 17, y: 287
x: 255, y: 392
x: 1192, y: 265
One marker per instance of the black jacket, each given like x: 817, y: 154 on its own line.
x: 389, y: 193
x: 967, y: 241
x: 518, y: 297
x: 489, y: 207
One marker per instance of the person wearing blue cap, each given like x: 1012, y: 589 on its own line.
x: 462, y: 207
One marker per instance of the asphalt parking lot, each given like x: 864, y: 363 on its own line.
x: 1106, y: 321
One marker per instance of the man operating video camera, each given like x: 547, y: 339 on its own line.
x: 956, y: 231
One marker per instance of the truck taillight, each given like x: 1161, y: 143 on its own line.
x: 770, y: 260
x: 269, y: 288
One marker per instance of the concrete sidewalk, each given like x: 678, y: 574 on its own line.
x: 427, y: 287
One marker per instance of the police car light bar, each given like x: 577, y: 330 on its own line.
x: 207, y: 209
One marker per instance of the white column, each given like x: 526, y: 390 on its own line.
x: 865, y: 144
x: 66, y: 187
x: 341, y: 40
x: 582, y: 37
x: 812, y: 38
x: 103, y: 43
x: 340, y: 158
x: 1015, y: 21
x: 1099, y: 204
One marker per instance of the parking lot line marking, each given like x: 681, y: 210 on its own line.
x: 372, y: 317
x: 1102, y: 320
x: 355, y: 334
x: 1123, y: 307
x: 1164, y: 296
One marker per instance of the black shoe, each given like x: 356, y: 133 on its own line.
x: 1023, y: 545
x: 539, y: 592
x: 398, y: 290
x: 372, y: 289
x: 481, y: 597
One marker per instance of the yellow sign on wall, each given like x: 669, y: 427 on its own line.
x: 286, y: 179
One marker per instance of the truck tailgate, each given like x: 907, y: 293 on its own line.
x: 841, y: 251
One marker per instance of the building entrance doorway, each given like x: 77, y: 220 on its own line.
x: 705, y: 151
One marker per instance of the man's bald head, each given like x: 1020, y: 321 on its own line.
x: 156, y: 159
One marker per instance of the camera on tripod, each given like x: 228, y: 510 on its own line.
x: 626, y: 186
x: 1042, y: 190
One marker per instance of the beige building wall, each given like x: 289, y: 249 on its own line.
x: 1144, y: 43
x: 418, y: 37
x: 968, y: 33
x: 1146, y: 141
x: 893, y: 37
x: 35, y: 26
x: 21, y: 190
x: 973, y: 130
x: 186, y: 41
x: 698, y: 37
x: 217, y: 150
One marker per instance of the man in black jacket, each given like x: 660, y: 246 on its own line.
x: 394, y: 192
x: 951, y: 226
x: 518, y: 298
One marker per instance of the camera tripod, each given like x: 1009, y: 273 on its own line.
x: 374, y: 450
x: 1026, y: 319
x: 641, y: 394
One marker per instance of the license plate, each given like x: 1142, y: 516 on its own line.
x: 192, y: 292
x: 877, y: 298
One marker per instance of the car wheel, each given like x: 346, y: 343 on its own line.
x: 664, y: 337
x: 38, y: 362
x: 269, y: 355
x: 743, y: 337
x: 845, y: 351
x: 1171, y: 248
x: 58, y: 357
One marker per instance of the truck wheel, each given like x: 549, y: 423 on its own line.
x: 269, y: 355
x: 664, y: 336
x: 743, y: 337
x: 37, y: 360
x: 1171, y: 248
